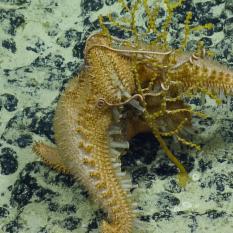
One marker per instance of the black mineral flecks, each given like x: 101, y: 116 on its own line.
x: 26, y: 187
x: 93, y: 5
x: 204, y: 165
x: 221, y: 185
x: 9, y: 44
x: 92, y: 26
x: 218, y: 181
x: 23, y: 190
x: 8, y: 161
x: 164, y: 169
x: 224, y: 48
x: 226, y: 132
x: 213, y: 214
x: 9, y: 102
x: 37, y: 120
x: 11, y: 20
x: 53, y: 207
x: 92, y: 225
x: 220, y: 197
x: 71, y: 223
x: 78, y: 50
x: 27, y: 190
x: 206, y: 8
x: 173, y: 186
x: 1, y: 104
x: 228, y: 28
x: 229, y: 5
x: 141, y: 174
x: 3, y: 212
x: 162, y: 215
x: 50, y: 60
x: 24, y: 140
x: 110, y: 2
x: 19, y: 2
x: 69, y: 37
x: 14, y: 226
x: 53, y: 30
x: 167, y: 200
x: 145, y: 218
x: 43, y: 230
x: 68, y: 181
x: 74, y: 67
x: 138, y: 173
x: 69, y: 209
x: 37, y: 47
x: 187, y: 160
x: 207, y: 41
x: 143, y: 148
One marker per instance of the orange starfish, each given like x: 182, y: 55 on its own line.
x: 86, y: 139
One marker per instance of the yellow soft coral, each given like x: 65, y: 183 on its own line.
x: 173, y: 73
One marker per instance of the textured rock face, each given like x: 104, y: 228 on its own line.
x: 41, y: 48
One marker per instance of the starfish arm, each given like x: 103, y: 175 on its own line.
x: 83, y: 137
x: 50, y: 156
x: 81, y: 133
x: 205, y: 75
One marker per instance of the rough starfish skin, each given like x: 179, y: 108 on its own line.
x: 207, y: 74
x: 82, y: 133
x: 83, y: 145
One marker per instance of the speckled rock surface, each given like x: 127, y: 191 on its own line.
x: 41, y: 45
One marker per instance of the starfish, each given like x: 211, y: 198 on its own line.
x: 121, y: 92
x: 87, y: 140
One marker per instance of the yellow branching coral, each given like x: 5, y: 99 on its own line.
x: 164, y: 76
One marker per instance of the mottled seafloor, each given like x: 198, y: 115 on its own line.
x: 41, y: 48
